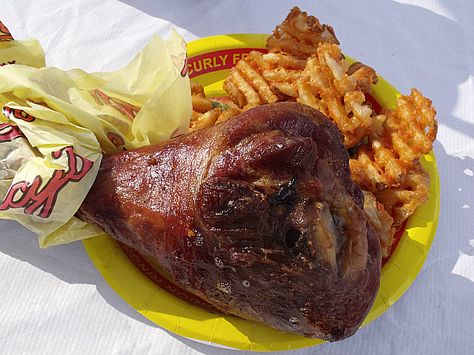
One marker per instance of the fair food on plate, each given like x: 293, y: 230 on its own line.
x: 290, y: 189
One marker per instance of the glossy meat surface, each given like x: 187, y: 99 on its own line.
x: 258, y: 216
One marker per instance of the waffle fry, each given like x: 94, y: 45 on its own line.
x: 338, y: 94
x: 258, y: 83
x: 322, y: 82
x: 263, y: 78
x: 366, y: 172
x: 364, y: 75
x: 388, y: 164
x: 412, y: 126
x: 407, y: 133
x: 278, y: 60
x: 300, y: 34
x: 380, y: 220
x: 402, y: 201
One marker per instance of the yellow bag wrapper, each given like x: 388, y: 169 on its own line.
x: 56, y: 124
x: 19, y: 52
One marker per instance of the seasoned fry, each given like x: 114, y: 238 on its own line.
x: 388, y: 164
x: 281, y: 75
x: 195, y: 115
x: 244, y: 89
x: 201, y: 104
x: 257, y: 81
x: 260, y: 79
x: 207, y: 112
x: 407, y: 133
x: 412, y: 126
x: 197, y: 89
x: 380, y: 221
x: 281, y: 60
x: 366, y: 172
x: 206, y: 120
x: 234, y: 92
x: 300, y: 34
x: 228, y: 114
x: 402, y: 201
x: 323, y: 83
x: 306, y: 96
x: 285, y: 90
x: 338, y: 94
x: 364, y: 75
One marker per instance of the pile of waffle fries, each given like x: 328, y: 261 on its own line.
x: 305, y: 64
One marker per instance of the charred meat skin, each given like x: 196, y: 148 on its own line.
x: 258, y: 216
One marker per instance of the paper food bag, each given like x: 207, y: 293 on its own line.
x: 55, y: 125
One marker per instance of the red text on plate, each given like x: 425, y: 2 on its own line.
x: 218, y: 60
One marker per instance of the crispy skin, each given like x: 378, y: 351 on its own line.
x: 257, y: 215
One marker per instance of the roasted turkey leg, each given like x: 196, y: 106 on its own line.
x: 258, y: 216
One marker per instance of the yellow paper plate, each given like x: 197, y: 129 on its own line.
x: 209, y: 62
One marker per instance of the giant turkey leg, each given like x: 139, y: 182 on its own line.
x: 258, y: 216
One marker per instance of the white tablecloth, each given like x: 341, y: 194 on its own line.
x: 54, y: 301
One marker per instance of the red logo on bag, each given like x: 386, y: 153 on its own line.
x: 9, y: 132
x: 184, y: 69
x: 115, y: 139
x: 33, y: 198
x: 8, y: 62
x: 5, y: 34
x: 17, y: 113
x: 123, y: 107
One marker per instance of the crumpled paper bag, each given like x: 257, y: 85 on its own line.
x: 19, y: 52
x: 55, y: 126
